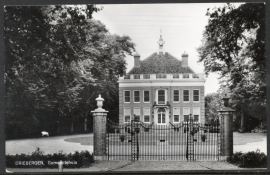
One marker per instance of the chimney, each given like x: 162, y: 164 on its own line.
x: 137, y: 60
x: 185, y: 59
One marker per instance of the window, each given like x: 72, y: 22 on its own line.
x: 186, y: 95
x: 127, y: 77
x: 159, y: 76
x: 161, y: 96
x: 146, y: 96
x: 127, y: 96
x: 161, y: 116
x: 186, y: 112
x: 176, y: 115
x: 136, y: 96
x: 196, y: 113
x: 195, y: 76
x: 176, y: 95
x: 196, y: 95
x: 146, y: 76
x: 146, y: 115
x: 175, y: 75
x: 127, y: 114
x: 136, y: 76
x: 137, y: 113
x: 185, y: 75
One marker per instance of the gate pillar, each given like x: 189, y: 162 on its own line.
x: 99, y: 129
x: 226, y: 131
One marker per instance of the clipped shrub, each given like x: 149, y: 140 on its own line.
x: 39, y: 160
x: 252, y: 159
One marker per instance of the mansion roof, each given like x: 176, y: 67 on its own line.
x: 160, y: 63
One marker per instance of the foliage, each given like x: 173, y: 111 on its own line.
x: 82, y: 159
x: 234, y: 46
x: 253, y: 159
x: 57, y: 60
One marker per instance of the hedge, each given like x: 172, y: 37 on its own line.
x: 252, y: 159
x: 38, y: 160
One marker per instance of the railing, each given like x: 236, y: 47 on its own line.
x: 163, y: 76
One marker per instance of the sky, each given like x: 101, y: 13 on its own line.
x: 181, y: 26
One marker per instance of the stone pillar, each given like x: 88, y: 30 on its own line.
x: 226, y: 133
x: 99, y: 129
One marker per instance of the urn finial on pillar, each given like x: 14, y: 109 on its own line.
x: 226, y: 135
x: 99, y: 129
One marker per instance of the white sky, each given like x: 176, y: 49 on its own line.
x: 182, y: 27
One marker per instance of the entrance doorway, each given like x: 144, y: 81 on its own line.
x: 161, y: 116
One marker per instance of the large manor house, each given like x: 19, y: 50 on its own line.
x: 161, y: 89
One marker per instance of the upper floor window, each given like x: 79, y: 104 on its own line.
x: 185, y: 75
x: 196, y: 95
x: 146, y: 76
x: 146, y: 96
x: 127, y: 96
x: 186, y: 95
x: 158, y: 76
x: 136, y: 76
x: 136, y: 96
x: 176, y: 95
x: 161, y: 97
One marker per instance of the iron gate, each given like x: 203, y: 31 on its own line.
x: 188, y: 140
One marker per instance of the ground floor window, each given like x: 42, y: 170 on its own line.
x: 196, y: 113
x: 176, y: 115
x: 186, y: 112
x: 146, y: 115
x: 161, y: 116
x: 127, y: 114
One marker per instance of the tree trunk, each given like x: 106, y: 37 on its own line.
x: 85, y: 123
x: 71, y: 130
x: 242, y: 128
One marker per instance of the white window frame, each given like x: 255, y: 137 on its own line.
x: 149, y: 96
x: 139, y: 111
x: 125, y: 115
x: 146, y: 115
x: 199, y: 114
x: 125, y: 96
x: 174, y: 113
x: 188, y: 96
x: 165, y: 96
x: 184, y: 113
x: 193, y: 95
x: 139, y: 96
x: 178, y: 95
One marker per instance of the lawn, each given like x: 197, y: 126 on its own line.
x: 67, y: 144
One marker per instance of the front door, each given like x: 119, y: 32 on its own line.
x: 161, y: 116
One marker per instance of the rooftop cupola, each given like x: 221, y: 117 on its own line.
x: 185, y: 59
x: 161, y: 44
x: 137, y: 60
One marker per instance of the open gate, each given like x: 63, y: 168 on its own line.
x: 188, y: 140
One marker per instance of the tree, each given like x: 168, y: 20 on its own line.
x: 55, y: 54
x: 234, y: 46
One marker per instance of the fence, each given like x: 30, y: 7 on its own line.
x: 187, y: 140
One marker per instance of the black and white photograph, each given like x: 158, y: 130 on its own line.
x: 135, y: 87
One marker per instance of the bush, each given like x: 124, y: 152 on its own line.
x: 253, y: 159
x: 38, y: 160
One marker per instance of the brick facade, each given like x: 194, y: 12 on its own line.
x: 172, y: 104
